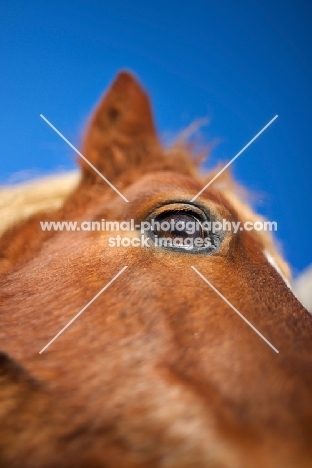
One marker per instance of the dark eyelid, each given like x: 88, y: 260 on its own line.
x: 186, y: 207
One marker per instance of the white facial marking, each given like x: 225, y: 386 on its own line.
x: 272, y: 262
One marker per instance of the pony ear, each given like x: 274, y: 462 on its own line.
x: 121, y: 133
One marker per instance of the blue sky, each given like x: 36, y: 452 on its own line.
x: 239, y: 63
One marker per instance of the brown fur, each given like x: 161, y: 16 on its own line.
x: 158, y: 371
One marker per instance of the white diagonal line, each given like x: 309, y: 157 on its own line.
x: 83, y: 309
x: 235, y: 157
x: 234, y: 308
x: 84, y: 158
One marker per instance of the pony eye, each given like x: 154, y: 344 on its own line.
x: 178, y: 225
x: 182, y: 228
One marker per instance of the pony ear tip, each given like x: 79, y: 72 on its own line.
x: 125, y: 74
x: 125, y: 78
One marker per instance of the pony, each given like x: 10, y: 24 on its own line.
x: 157, y: 369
